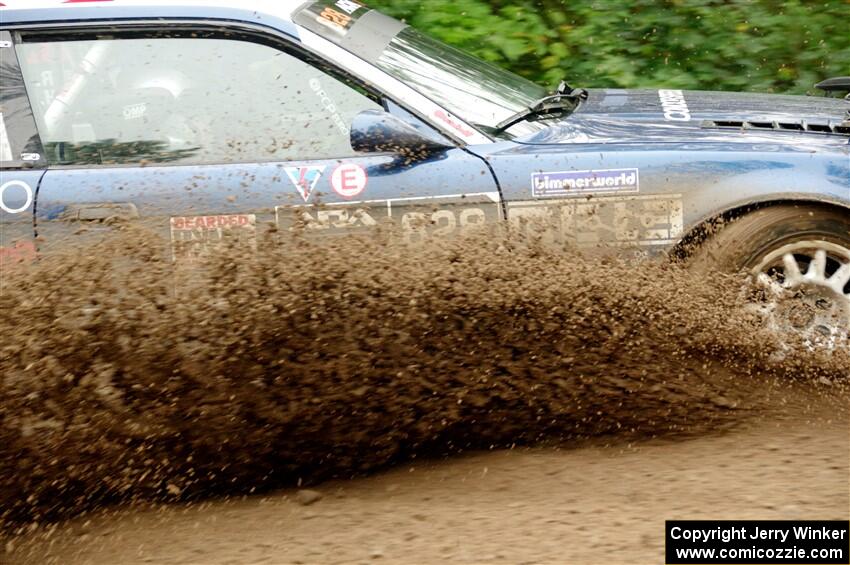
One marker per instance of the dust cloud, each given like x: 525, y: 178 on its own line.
x: 126, y: 378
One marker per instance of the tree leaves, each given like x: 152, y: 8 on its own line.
x: 749, y: 45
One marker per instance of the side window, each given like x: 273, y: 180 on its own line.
x: 185, y: 100
x: 19, y: 144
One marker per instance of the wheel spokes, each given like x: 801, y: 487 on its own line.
x: 793, y: 275
x: 816, y: 273
x: 840, y: 279
x: 817, y: 268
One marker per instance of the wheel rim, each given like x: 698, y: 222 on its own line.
x: 805, y: 290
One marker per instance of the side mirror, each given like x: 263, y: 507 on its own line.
x: 374, y: 131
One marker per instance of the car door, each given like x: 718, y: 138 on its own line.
x: 204, y: 134
x: 21, y: 165
x: 595, y: 196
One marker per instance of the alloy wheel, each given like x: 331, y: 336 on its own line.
x: 805, y: 291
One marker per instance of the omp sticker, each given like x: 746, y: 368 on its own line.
x: 305, y: 179
x: 349, y: 180
x: 5, y: 146
x: 674, y: 105
x: 4, y: 198
x: 194, y: 236
x: 615, y: 221
x: 134, y: 111
x: 574, y: 183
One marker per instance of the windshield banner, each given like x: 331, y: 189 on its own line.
x: 359, y: 29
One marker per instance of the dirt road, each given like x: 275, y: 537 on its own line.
x: 590, y: 504
x: 120, y: 391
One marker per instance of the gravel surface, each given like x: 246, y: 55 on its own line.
x: 592, y: 504
x: 127, y: 381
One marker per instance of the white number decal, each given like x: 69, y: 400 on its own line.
x: 443, y: 222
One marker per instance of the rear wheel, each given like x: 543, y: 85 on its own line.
x: 799, y: 256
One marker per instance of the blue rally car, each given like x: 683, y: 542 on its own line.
x: 210, y: 118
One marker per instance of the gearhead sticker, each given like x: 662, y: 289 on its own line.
x: 305, y: 179
x: 573, y: 183
x: 349, y: 180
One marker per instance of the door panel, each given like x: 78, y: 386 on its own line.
x: 20, y: 162
x: 17, y: 196
x: 194, y: 206
x: 203, y: 138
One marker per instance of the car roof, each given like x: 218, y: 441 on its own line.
x: 34, y: 11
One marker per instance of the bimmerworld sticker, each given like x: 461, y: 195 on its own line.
x: 572, y: 183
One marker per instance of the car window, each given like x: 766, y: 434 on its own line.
x: 477, y: 91
x: 184, y: 100
x: 19, y: 143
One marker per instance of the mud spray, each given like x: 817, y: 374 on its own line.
x: 125, y: 378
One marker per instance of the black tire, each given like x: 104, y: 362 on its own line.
x: 740, y: 245
x: 801, y: 255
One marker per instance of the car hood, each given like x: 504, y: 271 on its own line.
x: 615, y: 115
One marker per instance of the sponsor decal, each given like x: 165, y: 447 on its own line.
x: 453, y: 123
x: 339, y: 16
x: 348, y: 6
x: 5, y: 146
x: 305, y: 179
x: 572, y: 183
x: 674, y: 106
x: 194, y: 236
x: 420, y: 225
x: 614, y: 221
x: 20, y: 252
x: 330, y: 219
x: 4, y: 199
x: 417, y: 218
x: 135, y: 111
x: 349, y: 180
x: 212, y: 222
x: 329, y: 106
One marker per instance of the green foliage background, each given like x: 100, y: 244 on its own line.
x: 756, y: 45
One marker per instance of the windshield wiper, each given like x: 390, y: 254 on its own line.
x: 552, y: 104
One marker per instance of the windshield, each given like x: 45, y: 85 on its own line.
x: 480, y: 93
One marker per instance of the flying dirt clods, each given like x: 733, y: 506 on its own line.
x: 125, y: 378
